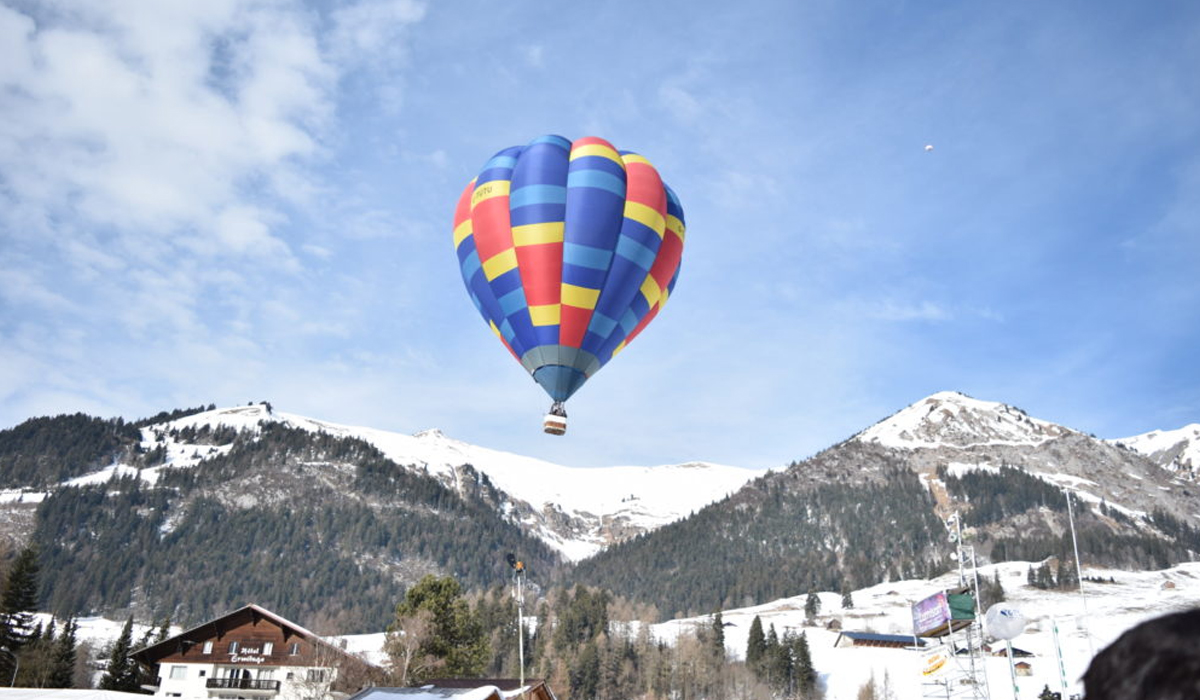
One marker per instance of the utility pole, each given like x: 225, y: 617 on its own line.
x: 518, y: 568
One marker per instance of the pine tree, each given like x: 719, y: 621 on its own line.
x: 777, y: 662
x: 122, y: 671
x: 457, y: 638
x: 63, y: 674
x: 806, y: 674
x: 756, y: 645
x: 847, y: 599
x: 717, y: 638
x: 18, y: 602
x: 812, y: 606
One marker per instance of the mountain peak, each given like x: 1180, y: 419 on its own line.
x: 1176, y: 450
x: 953, y: 419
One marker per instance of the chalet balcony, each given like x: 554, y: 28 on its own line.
x: 259, y: 687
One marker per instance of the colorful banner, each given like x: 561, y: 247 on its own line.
x: 930, y: 614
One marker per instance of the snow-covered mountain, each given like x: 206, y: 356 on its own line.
x: 1176, y: 450
x: 952, y: 430
x: 576, y: 511
x: 952, y: 419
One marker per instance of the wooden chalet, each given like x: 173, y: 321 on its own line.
x: 253, y: 654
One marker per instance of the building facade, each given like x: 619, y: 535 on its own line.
x: 253, y: 654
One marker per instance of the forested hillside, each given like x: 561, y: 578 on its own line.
x: 784, y: 534
x: 42, y: 452
x: 315, y: 527
x: 1036, y: 513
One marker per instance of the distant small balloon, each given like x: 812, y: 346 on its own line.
x: 928, y: 147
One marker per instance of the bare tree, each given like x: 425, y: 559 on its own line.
x: 405, y: 638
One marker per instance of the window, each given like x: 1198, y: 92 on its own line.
x: 208, y: 647
x: 294, y: 649
x: 268, y: 647
x: 316, y: 675
x: 178, y: 673
x: 233, y: 647
x: 203, y: 673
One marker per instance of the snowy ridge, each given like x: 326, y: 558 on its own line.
x: 952, y: 419
x: 640, y: 498
x: 1177, y: 450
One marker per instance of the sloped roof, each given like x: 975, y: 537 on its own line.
x: 218, y: 626
x: 509, y: 687
x: 430, y: 692
x: 905, y: 639
x: 463, y: 689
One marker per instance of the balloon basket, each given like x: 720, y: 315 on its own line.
x: 554, y: 425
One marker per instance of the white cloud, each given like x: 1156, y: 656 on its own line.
x: 115, y: 117
x: 681, y: 103
x: 534, y: 55
x: 367, y: 30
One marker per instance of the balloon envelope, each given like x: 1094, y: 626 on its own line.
x: 568, y: 250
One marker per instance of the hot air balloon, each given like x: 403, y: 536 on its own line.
x: 567, y: 250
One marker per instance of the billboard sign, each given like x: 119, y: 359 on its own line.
x: 930, y: 614
x: 934, y: 661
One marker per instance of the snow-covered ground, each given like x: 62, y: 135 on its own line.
x: 1111, y: 608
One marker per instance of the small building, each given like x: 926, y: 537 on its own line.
x: 253, y: 654
x: 1023, y: 668
x: 871, y: 639
x: 464, y: 689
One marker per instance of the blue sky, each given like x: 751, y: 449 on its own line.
x: 244, y: 200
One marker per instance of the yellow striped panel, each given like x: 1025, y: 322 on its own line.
x: 494, y: 328
x: 533, y: 234
x: 675, y: 226
x: 579, y: 297
x: 646, y: 215
x: 487, y: 190
x: 635, y: 158
x: 596, y: 149
x: 546, y: 314
x: 651, y: 291
x: 500, y: 263
x: 462, y: 232
x: 617, y: 350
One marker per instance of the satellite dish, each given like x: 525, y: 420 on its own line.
x: 1004, y: 621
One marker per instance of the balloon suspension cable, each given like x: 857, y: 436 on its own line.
x: 558, y: 409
